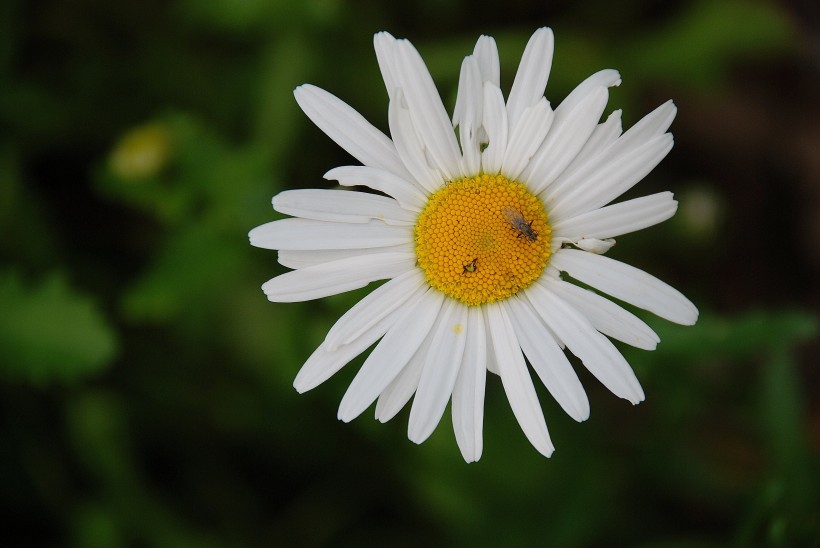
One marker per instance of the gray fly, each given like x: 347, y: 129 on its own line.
x: 519, y: 223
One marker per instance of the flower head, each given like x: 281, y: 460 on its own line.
x: 472, y: 221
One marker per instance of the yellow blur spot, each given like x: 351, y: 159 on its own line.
x: 142, y: 152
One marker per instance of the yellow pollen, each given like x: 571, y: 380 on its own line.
x: 482, y: 239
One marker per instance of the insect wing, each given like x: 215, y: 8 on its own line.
x: 519, y: 223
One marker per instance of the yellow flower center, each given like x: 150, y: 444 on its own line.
x: 482, y: 239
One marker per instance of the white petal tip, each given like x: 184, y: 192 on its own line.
x: 546, y: 451
x: 580, y: 415
x: 345, y: 417
x: 637, y: 398
x: 470, y: 458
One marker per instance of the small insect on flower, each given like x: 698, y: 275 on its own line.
x: 470, y: 267
x: 520, y: 224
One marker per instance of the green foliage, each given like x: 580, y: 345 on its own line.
x: 696, y: 49
x: 50, y: 333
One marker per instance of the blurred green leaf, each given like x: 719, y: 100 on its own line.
x: 695, y: 49
x: 715, y: 337
x: 179, y: 169
x: 189, y: 273
x: 51, y: 333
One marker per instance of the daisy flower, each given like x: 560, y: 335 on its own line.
x: 472, y: 220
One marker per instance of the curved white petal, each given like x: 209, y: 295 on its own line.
x: 486, y: 55
x: 427, y: 111
x: 532, y: 75
x: 336, y: 277
x: 627, y: 283
x: 567, y: 135
x: 492, y: 365
x: 468, y: 392
x: 642, y: 147
x: 653, y: 124
x: 606, y: 78
x: 602, y: 137
x: 595, y: 351
x: 410, y: 146
x: 527, y: 135
x: 547, y: 359
x: 440, y: 371
x: 390, y: 355
x: 467, y: 114
x: 495, y: 124
x: 343, y: 206
x: 617, y: 219
x: 324, y: 363
x: 378, y: 304
x: 302, y: 259
x: 516, y: 380
x: 385, y: 45
x: 609, y: 181
x: 401, y: 389
x: 607, y: 317
x: 349, y: 129
x: 307, y: 234
x: 408, y: 194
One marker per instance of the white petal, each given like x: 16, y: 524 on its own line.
x: 607, y: 317
x: 604, y: 135
x: 609, y: 181
x: 440, y: 371
x: 617, y: 219
x: 378, y: 304
x: 594, y: 245
x: 627, y: 283
x: 532, y: 75
x: 342, y: 206
x: 468, y: 393
x: 486, y: 55
x: 401, y: 389
x: 336, y: 277
x: 409, y: 194
x: 410, y: 146
x: 324, y: 363
x: 301, y: 259
x: 385, y: 46
x: 527, y: 135
x: 565, y: 138
x: 467, y: 114
x: 653, y: 124
x: 633, y: 146
x: 606, y: 78
x: 547, y: 359
x: 516, y: 380
x: 492, y: 365
x: 427, y: 110
x: 349, y: 129
x: 390, y: 355
x: 495, y: 123
x: 596, y: 351
x: 306, y: 234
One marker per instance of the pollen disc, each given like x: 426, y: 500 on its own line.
x: 482, y: 239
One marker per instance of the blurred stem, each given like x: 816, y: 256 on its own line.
x: 782, y: 512
x: 285, y: 61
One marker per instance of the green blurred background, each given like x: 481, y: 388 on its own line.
x: 145, y: 381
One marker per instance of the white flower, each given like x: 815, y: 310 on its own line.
x: 472, y: 223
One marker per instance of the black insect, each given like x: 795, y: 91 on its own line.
x: 471, y: 266
x: 520, y: 224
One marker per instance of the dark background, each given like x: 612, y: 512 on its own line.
x: 145, y: 381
